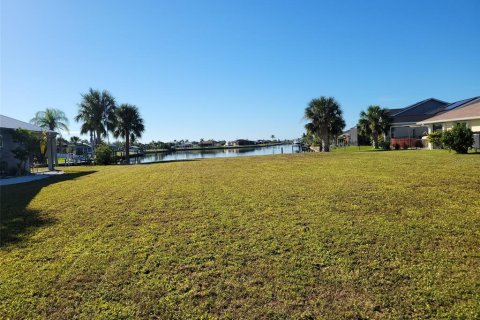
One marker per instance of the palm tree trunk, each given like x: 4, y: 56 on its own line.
x: 56, y: 153
x: 99, y: 136
x: 325, y: 142
x: 127, y: 147
x: 375, y: 140
x: 92, y: 142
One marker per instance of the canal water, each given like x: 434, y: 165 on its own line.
x: 215, y: 153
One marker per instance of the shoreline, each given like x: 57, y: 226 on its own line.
x: 215, y: 148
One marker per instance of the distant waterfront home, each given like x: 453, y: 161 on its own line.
x: 350, y: 136
x: 184, y: 145
x: 117, y: 147
x: 83, y: 149
x: 135, y: 150
x: 62, y: 145
x: 243, y: 142
x: 405, y: 129
x: 7, y: 127
x: 465, y: 111
x: 78, y: 149
x: 408, y: 126
x: 208, y: 143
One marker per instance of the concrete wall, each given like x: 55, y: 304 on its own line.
x: 475, y: 125
x: 472, y: 124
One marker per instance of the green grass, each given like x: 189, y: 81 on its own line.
x: 353, y: 149
x: 346, y: 235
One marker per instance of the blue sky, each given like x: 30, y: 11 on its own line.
x: 235, y: 69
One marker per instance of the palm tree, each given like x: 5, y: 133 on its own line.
x: 97, y: 114
x: 129, y: 125
x: 75, y: 140
x: 86, y: 116
x: 51, y: 119
x: 374, y: 122
x: 326, y: 120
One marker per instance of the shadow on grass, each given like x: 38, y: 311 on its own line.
x: 16, y: 220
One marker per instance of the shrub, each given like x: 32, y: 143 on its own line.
x: 435, y: 138
x: 459, y: 139
x: 405, y: 146
x: 104, y: 155
x: 28, y: 145
x: 384, y: 145
x: 418, y: 144
x: 396, y: 146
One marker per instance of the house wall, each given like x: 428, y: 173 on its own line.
x: 475, y: 125
x: 6, y: 154
x: 353, y: 132
x: 447, y: 126
x: 472, y: 124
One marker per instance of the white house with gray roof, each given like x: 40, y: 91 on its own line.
x: 467, y: 113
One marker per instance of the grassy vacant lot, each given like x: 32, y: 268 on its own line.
x: 356, y: 235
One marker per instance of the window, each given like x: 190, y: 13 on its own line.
x: 437, y: 127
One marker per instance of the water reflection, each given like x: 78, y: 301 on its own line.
x: 216, y: 153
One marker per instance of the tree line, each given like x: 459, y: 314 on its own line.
x: 99, y: 114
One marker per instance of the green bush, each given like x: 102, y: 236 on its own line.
x: 28, y: 146
x: 418, y: 144
x: 104, y: 155
x: 435, y: 138
x: 384, y: 145
x: 396, y: 146
x: 459, y: 139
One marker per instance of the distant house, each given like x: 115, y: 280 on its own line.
x: 350, y: 136
x: 465, y: 111
x: 135, y: 150
x: 409, y: 124
x: 208, y: 143
x: 62, y: 145
x: 405, y: 129
x: 77, y: 151
x: 184, y: 145
x: 117, y: 147
x: 7, y: 126
x: 83, y: 149
x: 243, y: 142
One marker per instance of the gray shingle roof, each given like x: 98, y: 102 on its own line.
x: 419, y: 111
x: 10, y: 123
